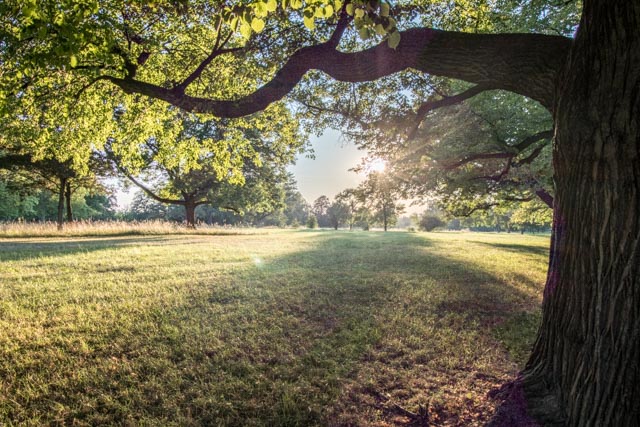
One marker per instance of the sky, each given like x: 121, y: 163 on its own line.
x: 328, y: 174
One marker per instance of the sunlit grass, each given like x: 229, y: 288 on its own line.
x: 111, y: 228
x: 285, y: 328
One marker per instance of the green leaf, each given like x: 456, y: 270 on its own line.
x: 296, y: 4
x: 391, y: 24
x: 309, y: 22
x: 359, y: 13
x: 328, y: 11
x: 233, y: 23
x: 73, y: 61
x: 394, y: 39
x: 261, y: 9
x: 350, y: 9
x: 257, y: 24
x: 384, y: 9
x: 272, y: 5
x: 245, y: 30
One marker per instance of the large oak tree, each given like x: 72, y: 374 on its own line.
x: 584, y: 368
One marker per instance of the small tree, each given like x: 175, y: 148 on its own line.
x: 351, y: 201
x: 312, y: 221
x: 429, y: 222
x: 320, y: 209
x: 380, y: 195
x: 338, y: 214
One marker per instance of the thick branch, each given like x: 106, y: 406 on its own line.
x: 475, y: 157
x: 345, y: 114
x: 446, y: 101
x: 198, y: 71
x: 148, y: 191
x: 545, y: 197
x: 527, y: 64
x: 530, y: 158
x: 528, y: 141
x: 524, y: 144
x: 343, y: 23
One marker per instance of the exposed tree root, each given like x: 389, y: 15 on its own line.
x: 513, y: 409
x: 417, y: 419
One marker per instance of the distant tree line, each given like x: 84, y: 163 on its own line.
x: 524, y: 217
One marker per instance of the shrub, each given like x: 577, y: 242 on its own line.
x: 430, y: 222
x: 312, y: 222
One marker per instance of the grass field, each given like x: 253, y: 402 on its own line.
x: 285, y: 328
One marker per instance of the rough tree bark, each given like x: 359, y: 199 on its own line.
x: 585, y: 366
x: 67, y: 196
x: 384, y: 217
x: 60, y: 217
x: 190, y: 213
x: 584, y: 369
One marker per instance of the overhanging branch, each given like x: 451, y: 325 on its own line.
x: 146, y: 189
x: 527, y: 64
x: 474, y: 157
x: 446, y: 101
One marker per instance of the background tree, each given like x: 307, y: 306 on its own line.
x: 531, y: 216
x: 350, y: 200
x: 312, y: 222
x: 380, y: 194
x: 338, y: 214
x: 320, y: 208
x: 61, y: 178
x: 296, y: 209
x: 235, y: 165
x: 18, y: 199
x: 429, y: 222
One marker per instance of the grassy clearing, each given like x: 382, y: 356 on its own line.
x: 280, y: 329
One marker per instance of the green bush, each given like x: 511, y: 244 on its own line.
x: 312, y: 222
x: 430, y: 222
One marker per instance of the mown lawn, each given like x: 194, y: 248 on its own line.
x: 289, y: 328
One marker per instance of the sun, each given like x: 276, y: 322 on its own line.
x: 377, y: 165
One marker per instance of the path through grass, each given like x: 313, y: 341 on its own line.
x: 281, y: 329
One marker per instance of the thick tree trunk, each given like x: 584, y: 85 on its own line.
x: 585, y: 365
x: 67, y: 196
x: 61, y: 189
x: 190, y: 208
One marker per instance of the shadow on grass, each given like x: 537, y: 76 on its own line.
x: 276, y: 343
x: 19, y: 250
x: 350, y: 315
x: 525, y: 249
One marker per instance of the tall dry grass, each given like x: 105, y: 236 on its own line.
x: 21, y: 229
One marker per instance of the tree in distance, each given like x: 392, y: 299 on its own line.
x: 320, y: 209
x: 429, y: 222
x: 227, y: 164
x: 338, y: 213
x: 61, y: 178
x: 379, y: 195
